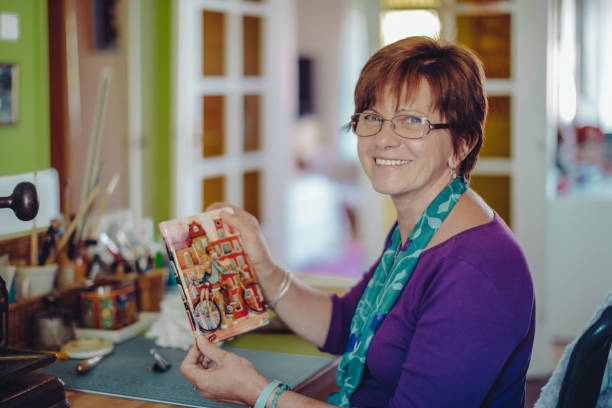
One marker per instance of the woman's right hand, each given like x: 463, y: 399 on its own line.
x: 251, y: 236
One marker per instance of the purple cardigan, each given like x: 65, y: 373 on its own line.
x: 460, y: 333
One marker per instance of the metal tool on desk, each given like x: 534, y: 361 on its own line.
x: 91, y: 351
x: 160, y: 364
x: 84, y: 366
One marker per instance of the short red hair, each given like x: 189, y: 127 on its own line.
x: 455, y: 77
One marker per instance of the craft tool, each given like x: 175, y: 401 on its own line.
x: 76, y: 220
x: 160, y: 363
x: 107, y: 194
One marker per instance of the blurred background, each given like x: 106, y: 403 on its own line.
x: 196, y: 101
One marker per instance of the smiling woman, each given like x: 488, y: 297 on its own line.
x: 403, y: 160
x: 445, y: 317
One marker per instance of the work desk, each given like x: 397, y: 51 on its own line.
x: 123, y: 380
x: 318, y: 387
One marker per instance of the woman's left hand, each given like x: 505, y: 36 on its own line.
x: 220, y: 375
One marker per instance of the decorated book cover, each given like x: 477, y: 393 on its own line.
x: 215, y: 276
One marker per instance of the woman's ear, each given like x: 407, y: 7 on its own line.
x: 462, y: 152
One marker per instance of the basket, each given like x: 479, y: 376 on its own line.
x: 109, y: 306
x: 21, y: 316
x: 150, y: 290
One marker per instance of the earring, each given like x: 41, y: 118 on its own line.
x: 453, y: 173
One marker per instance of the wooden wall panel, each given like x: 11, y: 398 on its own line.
x: 252, y: 122
x: 213, y: 133
x: 252, y: 45
x: 489, y: 37
x: 496, y: 191
x: 213, y: 190
x: 213, y: 43
x: 252, y: 192
x: 498, y: 129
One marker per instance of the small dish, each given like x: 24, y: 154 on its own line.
x: 87, y: 348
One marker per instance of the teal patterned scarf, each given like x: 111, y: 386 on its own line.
x: 391, y: 275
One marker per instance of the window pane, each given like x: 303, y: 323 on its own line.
x: 214, y: 129
x: 213, y: 190
x: 489, y: 37
x: 398, y: 24
x: 251, y: 36
x: 399, y: 4
x: 478, y: 1
x: 252, y: 193
x: 251, y: 123
x: 498, y: 128
x: 213, y: 43
x: 495, y: 190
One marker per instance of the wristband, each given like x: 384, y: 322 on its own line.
x: 265, y: 394
x: 284, y: 287
x: 281, y: 388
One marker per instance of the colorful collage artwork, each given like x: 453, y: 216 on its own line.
x: 215, y: 277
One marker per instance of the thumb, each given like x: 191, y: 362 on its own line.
x: 209, y: 349
x: 229, y: 218
x: 217, y: 205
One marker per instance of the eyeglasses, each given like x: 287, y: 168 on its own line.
x: 408, y: 126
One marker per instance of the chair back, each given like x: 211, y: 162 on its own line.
x: 585, y: 370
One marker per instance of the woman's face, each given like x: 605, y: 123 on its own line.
x: 405, y: 167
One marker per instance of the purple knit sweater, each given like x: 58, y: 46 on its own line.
x: 460, y: 333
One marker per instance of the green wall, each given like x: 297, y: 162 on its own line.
x: 24, y: 146
x: 157, y: 107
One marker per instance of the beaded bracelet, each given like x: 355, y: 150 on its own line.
x: 284, y: 287
x: 281, y: 388
x: 265, y: 394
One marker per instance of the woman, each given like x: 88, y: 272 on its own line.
x: 446, y: 315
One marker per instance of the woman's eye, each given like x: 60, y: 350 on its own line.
x: 371, y: 118
x: 407, y: 120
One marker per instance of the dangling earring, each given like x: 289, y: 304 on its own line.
x: 453, y: 173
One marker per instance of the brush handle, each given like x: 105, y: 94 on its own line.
x: 84, y: 366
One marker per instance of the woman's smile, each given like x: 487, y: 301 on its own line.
x: 390, y: 162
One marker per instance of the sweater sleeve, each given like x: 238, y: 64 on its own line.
x: 462, y: 340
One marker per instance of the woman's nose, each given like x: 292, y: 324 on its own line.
x: 386, y: 137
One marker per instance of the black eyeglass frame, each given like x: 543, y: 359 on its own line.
x: 428, y: 125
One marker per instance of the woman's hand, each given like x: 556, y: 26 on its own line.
x: 251, y: 236
x: 220, y: 375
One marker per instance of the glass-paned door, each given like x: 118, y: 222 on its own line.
x: 234, y: 102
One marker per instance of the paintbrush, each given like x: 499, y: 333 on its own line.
x: 20, y: 357
x: 74, y: 223
x: 107, y: 194
x: 34, y: 237
x: 84, y: 366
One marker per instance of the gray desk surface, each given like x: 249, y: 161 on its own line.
x: 125, y: 374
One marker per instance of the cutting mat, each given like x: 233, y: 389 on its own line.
x: 124, y: 373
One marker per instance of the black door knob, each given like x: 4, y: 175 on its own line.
x: 23, y: 201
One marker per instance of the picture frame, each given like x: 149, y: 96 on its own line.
x: 104, y: 24
x: 9, y: 93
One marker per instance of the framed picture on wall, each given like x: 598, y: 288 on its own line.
x: 104, y: 24
x: 9, y: 93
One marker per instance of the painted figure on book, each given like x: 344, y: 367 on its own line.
x: 221, y: 286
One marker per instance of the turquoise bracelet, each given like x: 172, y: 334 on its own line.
x: 265, y: 394
x: 281, y: 388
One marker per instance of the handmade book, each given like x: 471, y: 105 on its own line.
x: 215, y: 277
